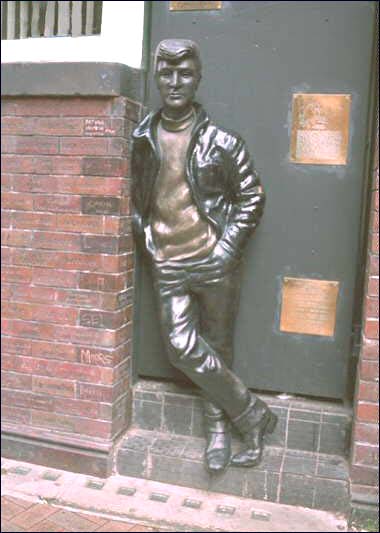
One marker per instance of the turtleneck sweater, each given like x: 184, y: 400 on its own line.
x: 178, y: 230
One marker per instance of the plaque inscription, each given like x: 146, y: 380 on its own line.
x: 194, y: 6
x: 309, y: 306
x: 320, y: 129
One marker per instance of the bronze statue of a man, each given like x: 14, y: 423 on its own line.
x: 196, y: 200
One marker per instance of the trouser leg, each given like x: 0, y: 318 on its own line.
x: 218, y: 304
x: 190, y: 352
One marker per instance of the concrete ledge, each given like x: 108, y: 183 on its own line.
x: 71, y: 79
x: 77, y: 459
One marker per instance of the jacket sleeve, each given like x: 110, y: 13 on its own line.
x: 248, y: 199
x: 136, y: 196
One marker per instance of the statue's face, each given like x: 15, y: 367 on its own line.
x: 177, y: 83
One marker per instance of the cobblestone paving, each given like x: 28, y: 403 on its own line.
x: 22, y: 515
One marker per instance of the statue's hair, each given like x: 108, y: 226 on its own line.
x: 174, y: 50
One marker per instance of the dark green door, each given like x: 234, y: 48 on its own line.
x: 256, y: 55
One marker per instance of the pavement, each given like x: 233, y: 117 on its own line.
x: 36, y: 498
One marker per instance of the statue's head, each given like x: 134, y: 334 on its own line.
x: 177, y: 70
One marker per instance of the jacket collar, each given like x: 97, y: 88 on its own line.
x: 146, y: 128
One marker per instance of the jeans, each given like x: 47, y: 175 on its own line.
x: 197, y: 312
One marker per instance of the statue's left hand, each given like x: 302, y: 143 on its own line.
x: 218, y: 262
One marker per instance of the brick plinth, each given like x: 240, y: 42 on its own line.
x: 365, y: 435
x: 67, y: 274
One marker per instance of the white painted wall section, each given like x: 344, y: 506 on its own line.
x: 120, y: 41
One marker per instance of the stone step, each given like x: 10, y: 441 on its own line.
x: 294, y: 477
x: 304, y: 424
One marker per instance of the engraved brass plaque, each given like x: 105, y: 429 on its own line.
x: 309, y: 306
x: 320, y: 129
x: 194, y: 6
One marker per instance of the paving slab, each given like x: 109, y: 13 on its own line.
x: 76, y: 502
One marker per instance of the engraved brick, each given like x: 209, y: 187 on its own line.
x: 100, y: 205
x: 102, y: 282
x: 16, y: 274
x: 105, y: 244
x: 17, y: 144
x: 57, y: 203
x: 42, y: 126
x: 101, y: 166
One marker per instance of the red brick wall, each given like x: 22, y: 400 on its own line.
x: 365, y: 437
x: 67, y: 272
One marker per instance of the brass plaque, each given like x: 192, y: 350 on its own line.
x: 320, y: 129
x: 309, y: 306
x: 194, y: 6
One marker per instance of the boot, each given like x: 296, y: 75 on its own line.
x: 218, y: 437
x: 254, y: 423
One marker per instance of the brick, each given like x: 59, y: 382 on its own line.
x: 6, y: 219
x: 54, y: 278
x: 80, y: 223
x: 53, y: 350
x: 375, y: 223
x: 26, y: 399
x: 369, y: 390
x: 77, y: 407
x: 9, y: 509
x: 371, y: 328
x: 42, y: 164
x: 42, y: 126
x: 370, y: 349
x: 14, y: 237
x: 15, y: 414
x: 84, y: 426
x: 102, y: 282
x: 375, y: 243
x: 115, y: 263
x: 369, y: 370
x: 33, y: 220
x: 366, y: 433
x: 6, y: 182
x: 84, y: 146
x: 21, y: 328
x: 58, y: 369
x: 12, y: 380
x: 57, y: 106
x: 372, y: 307
x: 88, y: 185
x: 58, y: 259
x: 49, y: 240
x: 17, y: 346
x: 53, y: 386
x: 40, y: 312
x: 367, y: 412
x: 6, y: 255
x: 16, y: 274
x: 34, y: 144
x: 74, y: 521
x: 102, y: 393
x: 57, y: 203
x: 16, y: 200
x: 113, y: 525
x: 375, y: 200
x: 366, y: 455
x: 365, y: 475
x: 33, y: 515
x: 21, y: 182
x: 103, y: 166
x: 100, y: 205
x: 6, y: 291
x: 106, y: 244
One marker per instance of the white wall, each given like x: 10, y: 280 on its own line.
x: 120, y: 40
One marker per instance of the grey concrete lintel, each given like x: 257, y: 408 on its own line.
x: 71, y: 79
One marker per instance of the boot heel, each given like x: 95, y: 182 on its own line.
x: 271, y: 423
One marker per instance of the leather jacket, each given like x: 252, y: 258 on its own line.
x: 225, y: 187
